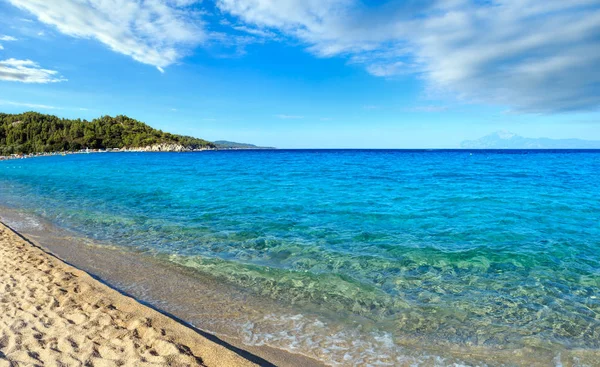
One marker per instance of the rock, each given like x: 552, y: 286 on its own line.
x: 162, y: 147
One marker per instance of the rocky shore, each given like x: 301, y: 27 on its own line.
x: 164, y: 147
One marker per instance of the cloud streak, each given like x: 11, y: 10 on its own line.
x: 531, y: 56
x: 289, y: 117
x: 27, y: 71
x: 429, y: 108
x: 29, y: 105
x: 153, y: 32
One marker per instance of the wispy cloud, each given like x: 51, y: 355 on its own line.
x: 532, y: 56
x: 262, y: 33
x: 27, y: 71
x: 289, y: 117
x: 38, y: 106
x: 29, y: 105
x: 6, y: 38
x: 157, y: 32
x: 386, y: 69
x: 428, y: 108
x: 234, y: 40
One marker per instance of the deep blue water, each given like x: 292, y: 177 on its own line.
x: 495, y: 249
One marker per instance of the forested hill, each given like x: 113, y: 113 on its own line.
x: 33, y: 132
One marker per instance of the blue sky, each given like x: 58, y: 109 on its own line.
x: 310, y: 73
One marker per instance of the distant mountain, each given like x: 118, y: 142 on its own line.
x: 224, y: 144
x: 508, y: 140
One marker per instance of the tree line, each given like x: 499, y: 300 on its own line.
x: 33, y: 132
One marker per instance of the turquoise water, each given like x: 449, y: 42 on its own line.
x: 446, y: 251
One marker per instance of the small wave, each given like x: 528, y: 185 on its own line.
x: 22, y: 222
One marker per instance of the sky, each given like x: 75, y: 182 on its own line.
x: 310, y: 73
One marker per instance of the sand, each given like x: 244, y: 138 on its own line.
x: 52, y: 314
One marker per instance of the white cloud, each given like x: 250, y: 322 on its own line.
x: 153, y: 32
x: 27, y: 71
x: 529, y: 55
x: 1, y: 47
x: 7, y: 38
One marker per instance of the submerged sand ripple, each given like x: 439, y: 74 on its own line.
x: 55, y: 315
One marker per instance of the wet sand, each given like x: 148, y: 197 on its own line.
x: 54, y: 314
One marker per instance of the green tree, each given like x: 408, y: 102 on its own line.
x: 32, y: 132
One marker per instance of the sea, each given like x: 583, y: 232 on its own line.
x: 347, y: 257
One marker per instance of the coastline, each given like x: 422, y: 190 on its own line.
x: 106, y: 272
x: 116, y: 150
x: 90, y: 151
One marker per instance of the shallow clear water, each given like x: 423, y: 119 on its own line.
x: 446, y: 252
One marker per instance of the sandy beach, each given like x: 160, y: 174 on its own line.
x: 56, y: 315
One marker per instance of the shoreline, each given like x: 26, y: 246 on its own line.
x: 116, y: 150
x: 94, y: 151
x: 126, y: 273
